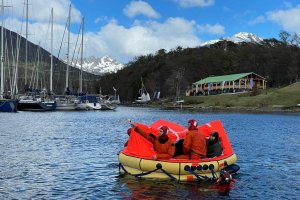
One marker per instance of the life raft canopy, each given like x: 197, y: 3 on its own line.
x: 140, y: 147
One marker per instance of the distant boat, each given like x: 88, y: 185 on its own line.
x: 6, y: 104
x: 36, y: 100
x: 36, y: 103
x: 144, y: 95
x: 115, y: 99
x: 92, y: 102
x: 69, y: 101
x: 107, y: 104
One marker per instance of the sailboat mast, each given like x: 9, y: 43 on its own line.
x: 2, y: 58
x: 26, y: 43
x: 80, y: 83
x: 51, y: 56
x: 67, y: 72
x: 37, y: 68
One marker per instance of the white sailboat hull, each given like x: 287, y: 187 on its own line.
x: 93, y: 106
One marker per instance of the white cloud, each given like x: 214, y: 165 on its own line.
x: 258, y: 20
x: 125, y: 43
x: 120, y: 42
x: 195, y: 3
x: 97, y: 20
x: 101, y: 19
x: 40, y: 10
x: 216, y: 29
x: 289, y: 19
x: 140, y: 8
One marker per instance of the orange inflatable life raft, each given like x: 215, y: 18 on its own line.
x: 136, y: 158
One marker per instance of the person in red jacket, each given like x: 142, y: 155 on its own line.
x: 163, y: 145
x: 194, y: 143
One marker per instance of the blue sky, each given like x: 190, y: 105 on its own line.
x: 124, y: 29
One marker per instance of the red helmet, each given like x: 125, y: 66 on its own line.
x: 164, y: 129
x: 192, y: 124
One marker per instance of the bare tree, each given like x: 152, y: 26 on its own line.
x: 295, y: 39
x: 284, y: 36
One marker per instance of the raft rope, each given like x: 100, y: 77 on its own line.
x: 186, y: 168
x: 158, y: 167
x: 213, y: 173
x: 198, y: 177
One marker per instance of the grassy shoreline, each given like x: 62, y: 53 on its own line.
x: 271, y: 100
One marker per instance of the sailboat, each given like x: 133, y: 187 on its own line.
x: 144, y: 95
x: 90, y: 102
x: 94, y: 102
x: 107, y: 105
x: 6, y: 104
x: 115, y: 99
x: 69, y: 101
x: 36, y: 100
x: 39, y: 101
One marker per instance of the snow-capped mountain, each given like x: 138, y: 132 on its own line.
x: 99, y: 66
x: 237, y: 38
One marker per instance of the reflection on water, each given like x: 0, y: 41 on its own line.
x: 132, y: 188
x: 73, y: 155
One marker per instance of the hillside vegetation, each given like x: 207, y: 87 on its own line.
x: 176, y: 70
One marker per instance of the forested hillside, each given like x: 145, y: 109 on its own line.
x: 278, y: 61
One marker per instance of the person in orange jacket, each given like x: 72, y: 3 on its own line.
x: 194, y: 143
x: 129, y: 133
x: 163, y: 145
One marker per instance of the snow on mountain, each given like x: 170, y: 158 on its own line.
x: 210, y: 42
x: 245, y: 37
x: 237, y: 38
x: 99, y: 66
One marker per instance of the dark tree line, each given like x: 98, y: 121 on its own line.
x: 277, y: 60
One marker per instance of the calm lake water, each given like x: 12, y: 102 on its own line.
x: 73, y: 155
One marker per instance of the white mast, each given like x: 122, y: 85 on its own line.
x: 51, y: 56
x: 38, y: 66
x: 2, y: 58
x: 26, y: 45
x: 67, y: 72
x: 80, y: 83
